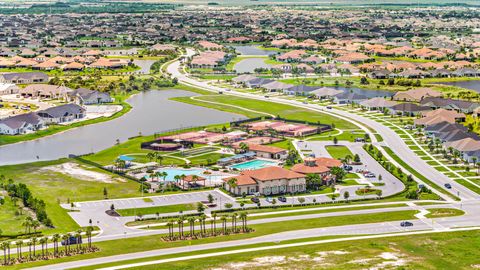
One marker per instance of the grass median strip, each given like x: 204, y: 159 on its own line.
x: 444, y: 212
x: 417, y: 174
x: 174, y: 208
x: 145, y: 243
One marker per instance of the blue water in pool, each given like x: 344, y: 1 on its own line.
x: 253, y: 164
x: 171, y: 172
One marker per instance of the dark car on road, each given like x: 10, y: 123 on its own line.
x: 406, y: 224
x: 282, y: 199
x: 448, y: 186
x: 72, y: 240
x: 255, y: 200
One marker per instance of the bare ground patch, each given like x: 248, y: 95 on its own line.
x: 82, y: 173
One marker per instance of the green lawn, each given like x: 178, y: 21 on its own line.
x: 469, y: 185
x: 454, y: 250
x: 338, y: 151
x: 137, y: 244
x: 206, y: 159
x: 444, y: 212
x: 54, y: 187
x: 286, y: 111
x: 174, y: 208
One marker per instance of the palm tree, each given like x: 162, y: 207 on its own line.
x: 66, y: 238
x: 224, y: 223
x: 170, y: 224
x: 180, y: 221
x: 234, y: 222
x: 203, y: 217
x: 34, y: 242
x: 232, y: 183
x: 243, y: 217
x: 19, y: 244
x: 27, y: 223
x: 177, y: 179
x: 159, y: 159
x: 55, y: 239
x: 78, y: 235
x: 191, y: 220
x: 3, y: 246
x: 35, y: 224
x: 89, y: 236
x: 151, y: 156
x: 42, y: 242
x: 213, y: 223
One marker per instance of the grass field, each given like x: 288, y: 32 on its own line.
x: 338, y: 151
x: 54, y: 187
x: 444, y: 212
x: 137, y: 244
x: 286, y: 111
x: 454, y: 250
x: 174, y: 208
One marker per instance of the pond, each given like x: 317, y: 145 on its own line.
x: 249, y: 65
x: 253, y: 50
x: 472, y: 85
x: 152, y: 112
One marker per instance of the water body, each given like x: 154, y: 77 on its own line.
x: 252, y: 50
x: 370, y: 93
x: 250, y: 64
x: 472, y: 85
x: 152, y: 112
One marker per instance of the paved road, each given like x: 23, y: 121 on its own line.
x: 391, y: 139
x: 392, y: 184
x: 472, y: 218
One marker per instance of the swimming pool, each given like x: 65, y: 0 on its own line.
x: 172, y: 172
x: 253, y: 164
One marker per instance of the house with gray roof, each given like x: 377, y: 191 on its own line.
x: 450, y: 104
x: 83, y: 96
x: 24, y: 77
x: 347, y: 98
x: 258, y: 82
x: 410, y: 109
x: 63, y: 113
x: 300, y: 90
x: 21, y: 124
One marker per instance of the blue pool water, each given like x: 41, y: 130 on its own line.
x: 253, y: 164
x: 171, y: 172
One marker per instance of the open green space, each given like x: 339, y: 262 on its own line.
x: 417, y: 174
x: 174, y: 208
x: 51, y: 182
x: 286, y: 111
x: 425, y: 251
x: 468, y: 185
x: 444, y: 212
x: 207, y: 159
x: 339, y: 151
x: 129, y: 245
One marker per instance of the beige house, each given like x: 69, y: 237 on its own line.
x: 267, y: 181
x: 416, y: 95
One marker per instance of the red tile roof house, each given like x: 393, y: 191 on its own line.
x: 320, y: 166
x: 292, y: 56
x: 209, y: 59
x: 191, y: 181
x: 267, y: 181
x: 207, y: 45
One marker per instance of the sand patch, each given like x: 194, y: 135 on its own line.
x: 79, y: 172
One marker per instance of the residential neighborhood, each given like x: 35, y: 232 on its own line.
x: 239, y: 134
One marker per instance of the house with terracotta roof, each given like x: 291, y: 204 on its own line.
x: 267, y: 181
x: 320, y: 166
x: 416, y: 95
x: 439, y: 115
x: 207, y: 45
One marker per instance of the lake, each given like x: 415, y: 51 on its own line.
x: 472, y: 85
x: 152, y: 112
x: 253, y: 50
x: 249, y: 65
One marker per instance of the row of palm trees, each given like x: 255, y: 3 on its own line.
x: 45, y: 254
x: 202, y: 232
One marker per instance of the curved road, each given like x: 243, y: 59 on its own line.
x: 390, y: 138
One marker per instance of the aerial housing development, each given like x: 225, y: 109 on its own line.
x: 239, y: 135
